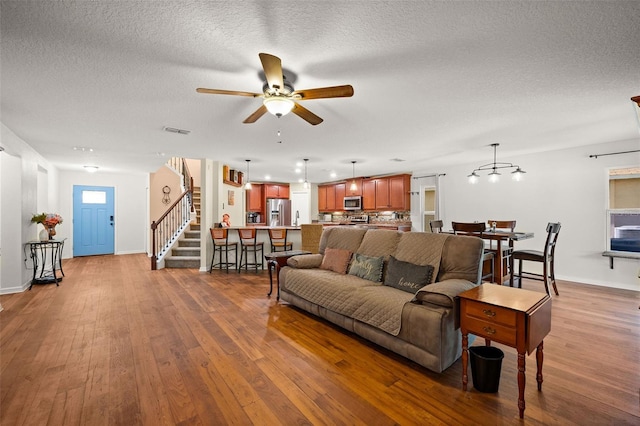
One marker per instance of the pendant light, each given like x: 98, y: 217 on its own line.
x: 353, y: 186
x: 306, y: 182
x: 494, y: 175
x: 248, y: 184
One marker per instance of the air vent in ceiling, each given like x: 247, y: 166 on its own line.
x: 174, y: 130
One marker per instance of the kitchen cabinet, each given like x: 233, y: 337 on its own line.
x: 254, y: 198
x: 331, y: 198
x: 368, y: 194
x: 340, y: 194
x: 387, y: 193
x: 277, y: 191
x: 322, y: 198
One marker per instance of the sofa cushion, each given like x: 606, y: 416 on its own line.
x: 379, y: 242
x: 305, y: 261
x: 422, y: 248
x: 336, y: 260
x: 407, y: 276
x: 341, y: 237
x: 367, y: 267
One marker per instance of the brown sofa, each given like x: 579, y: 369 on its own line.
x: 420, y: 325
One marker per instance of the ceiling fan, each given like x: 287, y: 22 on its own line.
x: 279, y: 97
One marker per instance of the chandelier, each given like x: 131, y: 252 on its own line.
x: 494, y: 175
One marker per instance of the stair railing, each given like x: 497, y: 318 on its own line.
x: 167, y: 229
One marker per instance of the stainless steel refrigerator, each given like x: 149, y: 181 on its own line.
x: 279, y: 212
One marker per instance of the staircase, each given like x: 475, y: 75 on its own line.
x: 187, y: 253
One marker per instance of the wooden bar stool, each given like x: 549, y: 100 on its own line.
x: 249, y: 244
x: 278, y: 238
x: 221, y: 245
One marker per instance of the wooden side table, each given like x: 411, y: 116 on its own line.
x: 277, y: 260
x: 514, y: 317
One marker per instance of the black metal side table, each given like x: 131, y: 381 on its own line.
x: 46, y: 257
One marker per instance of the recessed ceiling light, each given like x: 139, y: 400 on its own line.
x: 91, y: 169
x: 300, y: 180
x: 333, y: 174
x: 267, y: 177
x: 176, y: 130
x: 298, y: 170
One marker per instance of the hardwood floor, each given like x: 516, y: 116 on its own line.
x: 117, y: 343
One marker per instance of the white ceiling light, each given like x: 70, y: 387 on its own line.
x: 306, y: 182
x: 278, y: 105
x: 91, y: 169
x: 353, y: 186
x: 494, y: 175
x: 248, y: 184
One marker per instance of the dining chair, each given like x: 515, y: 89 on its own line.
x: 546, y: 257
x: 477, y: 229
x: 221, y: 245
x: 436, y: 226
x: 505, y: 226
x: 249, y: 244
x: 278, y: 239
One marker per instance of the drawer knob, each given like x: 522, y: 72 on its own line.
x: 489, y: 313
x: 489, y: 330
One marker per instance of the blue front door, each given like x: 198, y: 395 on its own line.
x: 92, y: 220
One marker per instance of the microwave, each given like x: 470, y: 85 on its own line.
x: 353, y: 203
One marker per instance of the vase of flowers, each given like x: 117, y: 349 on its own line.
x: 49, y: 221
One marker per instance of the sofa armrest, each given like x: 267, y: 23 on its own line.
x: 444, y: 294
x: 305, y: 261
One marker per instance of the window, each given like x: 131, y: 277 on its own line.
x: 94, y: 197
x: 623, y: 216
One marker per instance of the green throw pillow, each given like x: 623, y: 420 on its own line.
x: 367, y: 267
x: 407, y: 276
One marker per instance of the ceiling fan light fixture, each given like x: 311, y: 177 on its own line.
x: 278, y: 105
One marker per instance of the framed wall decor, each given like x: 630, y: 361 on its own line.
x: 231, y: 197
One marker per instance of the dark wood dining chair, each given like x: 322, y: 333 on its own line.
x: 505, y: 226
x: 436, y: 226
x: 278, y: 239
x: 477, y: 229
x: 249, y: 244
x: 546, y: 257
x: 222, y: 246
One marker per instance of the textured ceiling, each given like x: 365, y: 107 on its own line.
x: 435, y: 82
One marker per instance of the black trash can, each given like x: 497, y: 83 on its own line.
x: 486, y: 362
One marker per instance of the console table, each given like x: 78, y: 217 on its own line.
x: 512, y: 316
x: 46, y: 257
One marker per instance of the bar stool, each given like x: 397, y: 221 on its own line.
x: 221, y: 245
x: 278, y: 239
x: 249, y: 244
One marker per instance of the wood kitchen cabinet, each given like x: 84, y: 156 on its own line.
x: 277, y: 191
x: 340, y: 194
x: 322, y: 198
x: 254, y: 198
x: 368, y: 194
x: 387, y: 193
x: 331, y: 198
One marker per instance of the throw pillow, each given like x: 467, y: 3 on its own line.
x: 336, y: 260
x: 407, y: 276
x: 367, y: 267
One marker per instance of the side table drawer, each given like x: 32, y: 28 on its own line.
x: 494, y: 314
x: 490, y: 330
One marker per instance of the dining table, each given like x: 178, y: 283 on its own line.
x: 503, y: 261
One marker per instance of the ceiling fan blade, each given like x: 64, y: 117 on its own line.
x: 305, y: 114
x: 325, y: 92
x: 227, y: 92
x: 257, y: 114
x: 272, y: 66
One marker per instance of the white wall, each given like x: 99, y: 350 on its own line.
x: 561, y: 186
x: 131, y: 208
x: 21, y: 198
